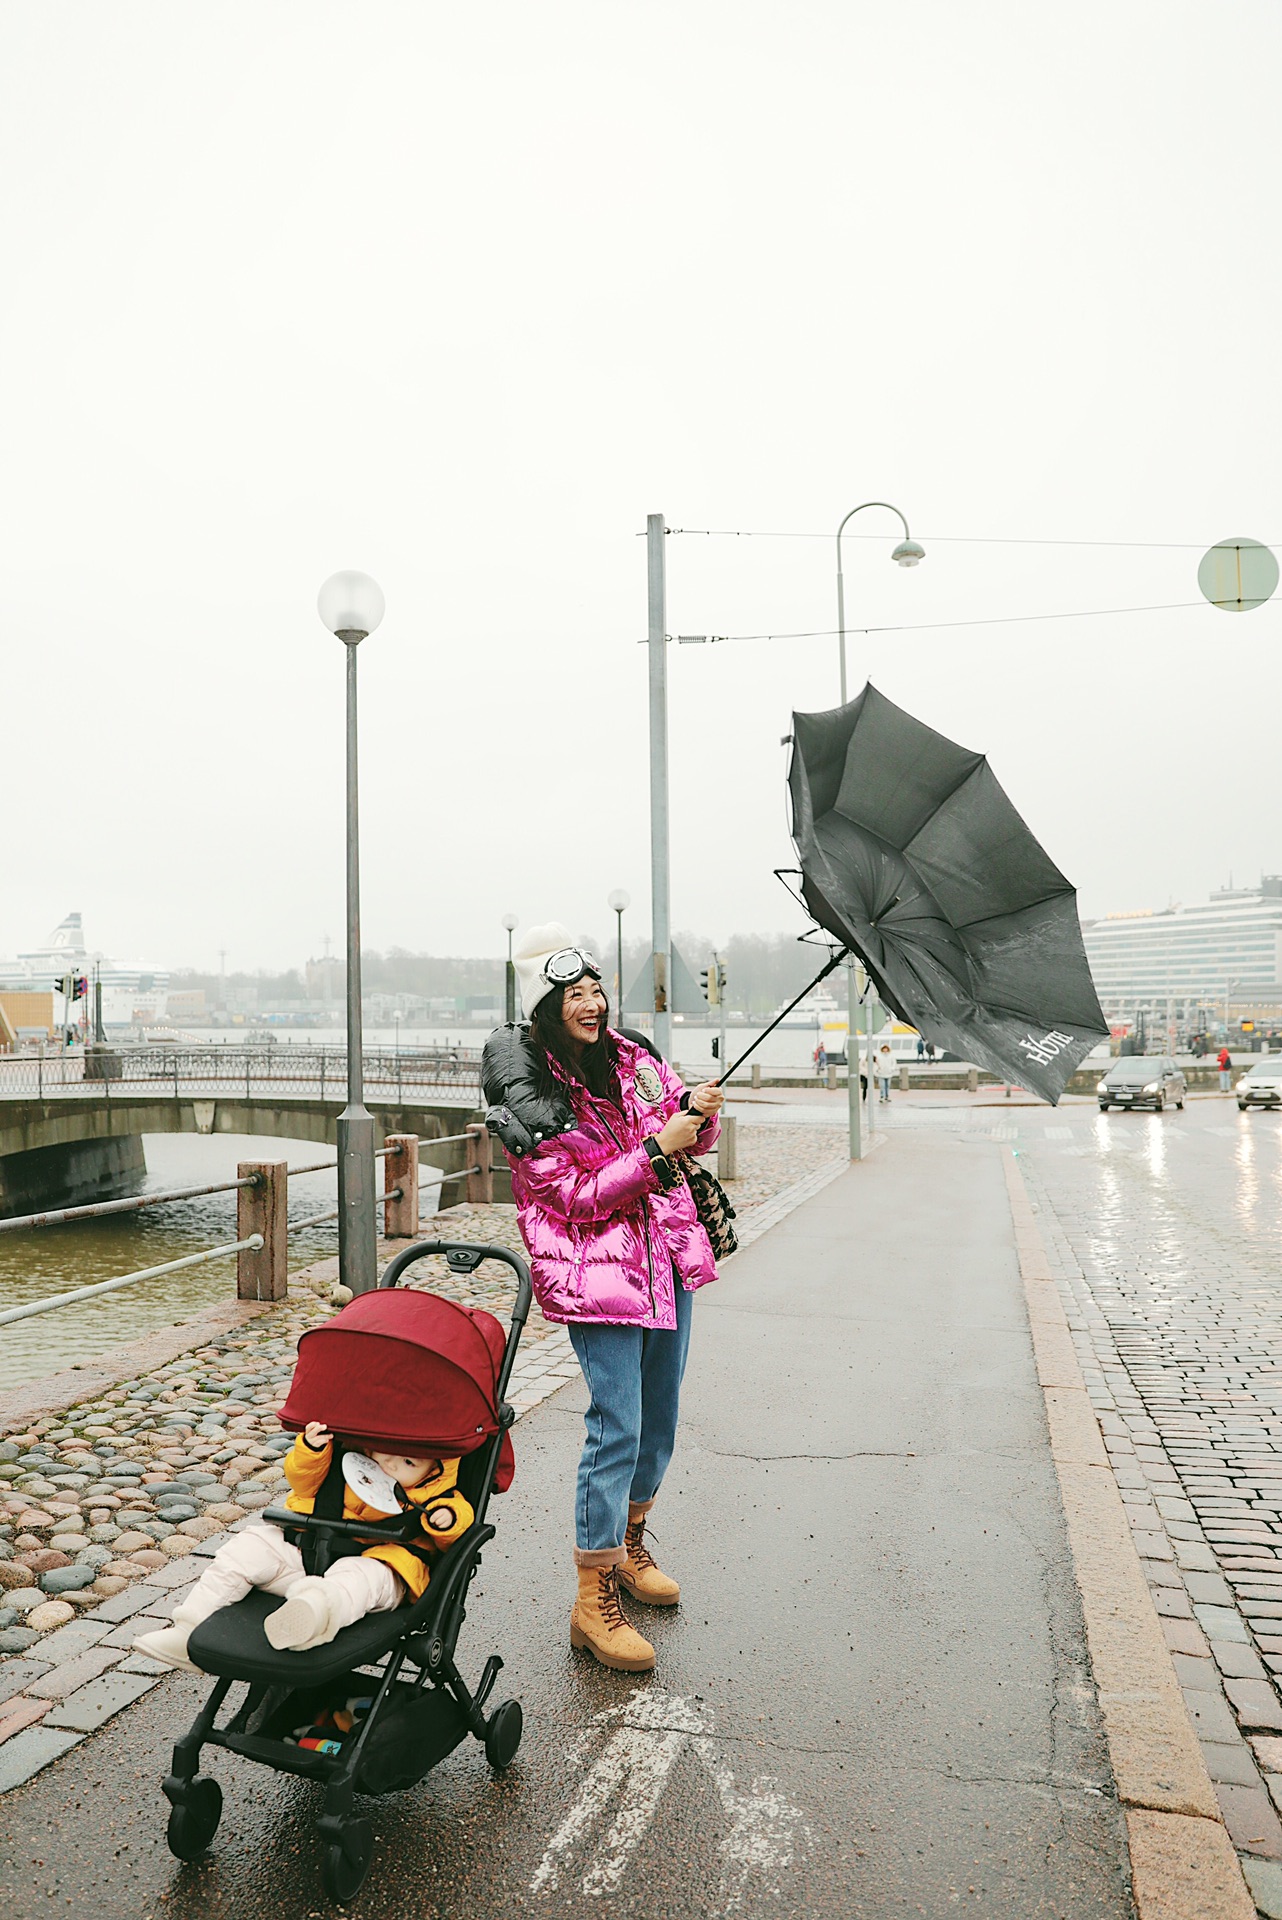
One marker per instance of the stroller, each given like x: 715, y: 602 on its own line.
x: 371, y: 1371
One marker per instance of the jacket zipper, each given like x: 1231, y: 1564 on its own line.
x: 645, y: 1218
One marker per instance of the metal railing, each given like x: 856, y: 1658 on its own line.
x: 259, y: 1183
x: 320, y: 1071
x: 250, y: 1245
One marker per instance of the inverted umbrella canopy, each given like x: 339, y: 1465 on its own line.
x: 913, y: 857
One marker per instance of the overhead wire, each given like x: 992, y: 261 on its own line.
x: 945, y: 539
x: 925, y: 626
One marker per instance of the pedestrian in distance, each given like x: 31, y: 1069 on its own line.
x: 921, y: 1049
x: 616, y: 1250
x: 885, y: 1064
x: 821, y: 1058
x: 1224, y: 1062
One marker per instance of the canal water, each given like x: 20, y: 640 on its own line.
x: 34, y: 1265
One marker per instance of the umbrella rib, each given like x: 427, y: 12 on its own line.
x: 1044, y: 899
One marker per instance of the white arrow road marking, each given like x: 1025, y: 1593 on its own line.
x: 651, y: 1730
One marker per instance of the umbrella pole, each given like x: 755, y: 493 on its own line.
x: 823, y: 973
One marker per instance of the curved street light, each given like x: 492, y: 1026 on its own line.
x: 351, y: 605
x: 907, y: 554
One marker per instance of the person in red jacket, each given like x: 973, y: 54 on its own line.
x: 1225, y: 1064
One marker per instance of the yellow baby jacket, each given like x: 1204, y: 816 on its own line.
x: 446, y: 1514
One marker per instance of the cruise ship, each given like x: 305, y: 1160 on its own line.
x: 133, y: 991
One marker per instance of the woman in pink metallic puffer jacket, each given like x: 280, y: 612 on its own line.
x: 616, y: 1252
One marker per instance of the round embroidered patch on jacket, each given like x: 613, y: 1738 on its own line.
x: 648, y: 1085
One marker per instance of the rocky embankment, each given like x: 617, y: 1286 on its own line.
x: 101, y: 1496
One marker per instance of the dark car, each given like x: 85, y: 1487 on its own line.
x: 1145, y: 1080
x: 1262, y: 1086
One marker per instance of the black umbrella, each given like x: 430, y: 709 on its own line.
x: 913, y: 858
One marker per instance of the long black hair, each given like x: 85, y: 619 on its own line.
x: 592, y: 1066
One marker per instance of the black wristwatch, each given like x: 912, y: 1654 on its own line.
x: 666, y: 1174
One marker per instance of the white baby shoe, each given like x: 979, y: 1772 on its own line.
x: 168, y: 1644
x: 306, y: 1619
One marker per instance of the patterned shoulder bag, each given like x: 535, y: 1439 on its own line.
x: 712, y: 1204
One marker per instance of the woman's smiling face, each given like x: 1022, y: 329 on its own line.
x: 583, y: 1011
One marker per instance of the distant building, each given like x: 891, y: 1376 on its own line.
x: 128, y: 986
x: 186, y: 1003
x: 325, y: 979
x: 1190, y: 964
x: 25, y: 1016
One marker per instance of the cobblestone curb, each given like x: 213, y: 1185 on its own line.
x: 1182, y: 1859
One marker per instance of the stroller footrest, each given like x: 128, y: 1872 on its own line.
x: 281, y: 1754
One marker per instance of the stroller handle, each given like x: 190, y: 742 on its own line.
x: 465, y: 1256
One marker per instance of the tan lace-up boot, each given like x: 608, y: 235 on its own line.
x: 597, y: 1623
x: 639, y: 1575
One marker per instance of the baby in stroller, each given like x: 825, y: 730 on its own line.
x: 380, y: 1487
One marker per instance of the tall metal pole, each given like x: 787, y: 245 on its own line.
x: 357, y: 1257
x: 618, y: 966
x: 853, y: 1107
x: 854, y: 1113
x: 661, y: 922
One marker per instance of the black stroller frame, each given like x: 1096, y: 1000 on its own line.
x: 434, y: 1712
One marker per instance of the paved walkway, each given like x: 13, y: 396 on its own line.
x: 875, y: 1699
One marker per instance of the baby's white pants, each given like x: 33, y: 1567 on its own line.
x: 261, y: 1556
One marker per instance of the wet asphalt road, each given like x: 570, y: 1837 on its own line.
x: 873, y: 1701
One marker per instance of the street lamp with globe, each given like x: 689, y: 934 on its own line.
x: 620, y: 900
x: 509, y: 923
x: 908, y: 553
x: 351, y: 605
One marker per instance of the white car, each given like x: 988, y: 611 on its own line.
x: 1262, y: 1086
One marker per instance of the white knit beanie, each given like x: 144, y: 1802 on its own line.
x: 529, y: 959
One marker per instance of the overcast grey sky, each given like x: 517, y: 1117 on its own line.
x: 458, y: 295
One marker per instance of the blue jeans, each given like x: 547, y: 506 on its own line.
x: 633, y: 1375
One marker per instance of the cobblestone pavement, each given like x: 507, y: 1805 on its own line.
x: 1165, y: 1236
x: 107, y: 1510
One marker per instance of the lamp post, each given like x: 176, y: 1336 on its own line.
x: 660, y: 890
x: 907, y: 554
x: 620, y: 900
x: 508, y: 923
x: 351, y: 606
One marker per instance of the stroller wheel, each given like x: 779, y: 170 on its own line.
x: 193, y: 1821
x: 503, y: 1734
x: 345, y: 1866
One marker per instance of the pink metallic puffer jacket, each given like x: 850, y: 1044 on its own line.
x: 602, y: 1236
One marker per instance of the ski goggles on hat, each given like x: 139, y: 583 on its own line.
x: 568, y: 964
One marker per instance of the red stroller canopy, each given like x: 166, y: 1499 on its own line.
x: 400, y: 1370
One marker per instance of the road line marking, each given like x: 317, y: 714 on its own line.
x: 648, y: 1734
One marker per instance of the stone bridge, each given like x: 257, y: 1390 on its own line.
x: 73, y: 1138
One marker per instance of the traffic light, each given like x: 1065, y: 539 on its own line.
x: 710, y: 980
x: 716, y: 1046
